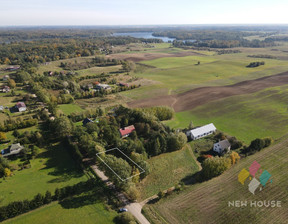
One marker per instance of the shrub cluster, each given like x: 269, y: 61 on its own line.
x: 10, y: 125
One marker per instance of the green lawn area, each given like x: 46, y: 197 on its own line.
x: 11, y: 137
x: 54, y: 213
x: 167, y: 170
x: 247, y: 117
x: 69, y: 108
x: 181, y: 73
x: 175, y: 62
x: 53, y: 167
x: 207, y: 202
x: 98, y: 70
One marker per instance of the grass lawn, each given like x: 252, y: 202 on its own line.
x: 52, y: 168
x: 98, y: 70
x: 55, y: 213
x: 207, y: 202
x: 167, y: 170
x: 10, y: 136
x: 69, y: 108
x: 247, y: 117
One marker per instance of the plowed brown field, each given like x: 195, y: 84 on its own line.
x: 196, y: 97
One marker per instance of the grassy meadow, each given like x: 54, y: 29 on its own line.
x: 208, y: 202
x: 247, y: 117
x: 57, y: 213
x: 167, y: 170
x: 182, y: 73
x: 69, y: 108
x: 53, y: 168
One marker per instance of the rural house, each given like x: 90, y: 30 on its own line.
x: 102, y: 86
x: 20, y: 106
x: 5, y: 89
x: 86, y: 121
x: 12, y: 150
x: 12, y: 68
x: 201, y: 131
x: 125, y: 132
x: 6, y: 77
x: 221, y: 146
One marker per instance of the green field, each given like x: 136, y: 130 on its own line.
x: 167, y: 170
x: 69, y: 108
x: 181, y: 73
x: 208, y: 202
x: 247, y: 117
x: 54, y: 213
x: 98, y: 70
x: 53, y: 168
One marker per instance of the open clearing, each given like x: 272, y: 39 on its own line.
x: 167, y: 170
x: 80, y: 212
x: 208, y: 202
x: 196, y: 97
x: 53, y: 168
x: 248, y: 116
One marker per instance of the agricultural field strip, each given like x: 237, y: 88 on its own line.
x: 143, y: 171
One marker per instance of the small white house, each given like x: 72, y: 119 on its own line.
x: 12, y: 150
x: 20, y: 106
x: 102, y: 86
x: 221, y: 146
x: 201, y: 131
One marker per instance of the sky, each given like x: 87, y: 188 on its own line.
x: 141, y: 12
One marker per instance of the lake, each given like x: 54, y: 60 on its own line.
x: 146, y: 35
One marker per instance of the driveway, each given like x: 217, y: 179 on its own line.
x: 133, y: 208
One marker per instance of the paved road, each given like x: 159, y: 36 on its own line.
x: 133, y: 208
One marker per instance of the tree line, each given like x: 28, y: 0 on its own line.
x: 16, y: 208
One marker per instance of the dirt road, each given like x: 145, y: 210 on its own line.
x: 133, y: 208
x: 196, y: 97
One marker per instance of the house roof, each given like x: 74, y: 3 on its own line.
x: 86, y: 121
x: 103, y: 85
x: 127, y: 130
x: 15, y: 147
x: 224, y: 144
x: 20, y: 104
x: 204, y: 129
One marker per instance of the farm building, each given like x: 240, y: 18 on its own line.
x: 20, y: 106
x: 12, y: 150
x: 12, y: 68
x: 201, y: 131
x: 102, y: 86
x: 221, y: 146
x: 125, y: 132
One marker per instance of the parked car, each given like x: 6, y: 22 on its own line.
x: 123, y: 210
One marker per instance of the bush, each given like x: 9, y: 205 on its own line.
x: 125, y: 218
x: 215, y: 166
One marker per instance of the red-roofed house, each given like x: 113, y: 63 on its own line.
x: 20, y: 106
x: 125, y: 132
